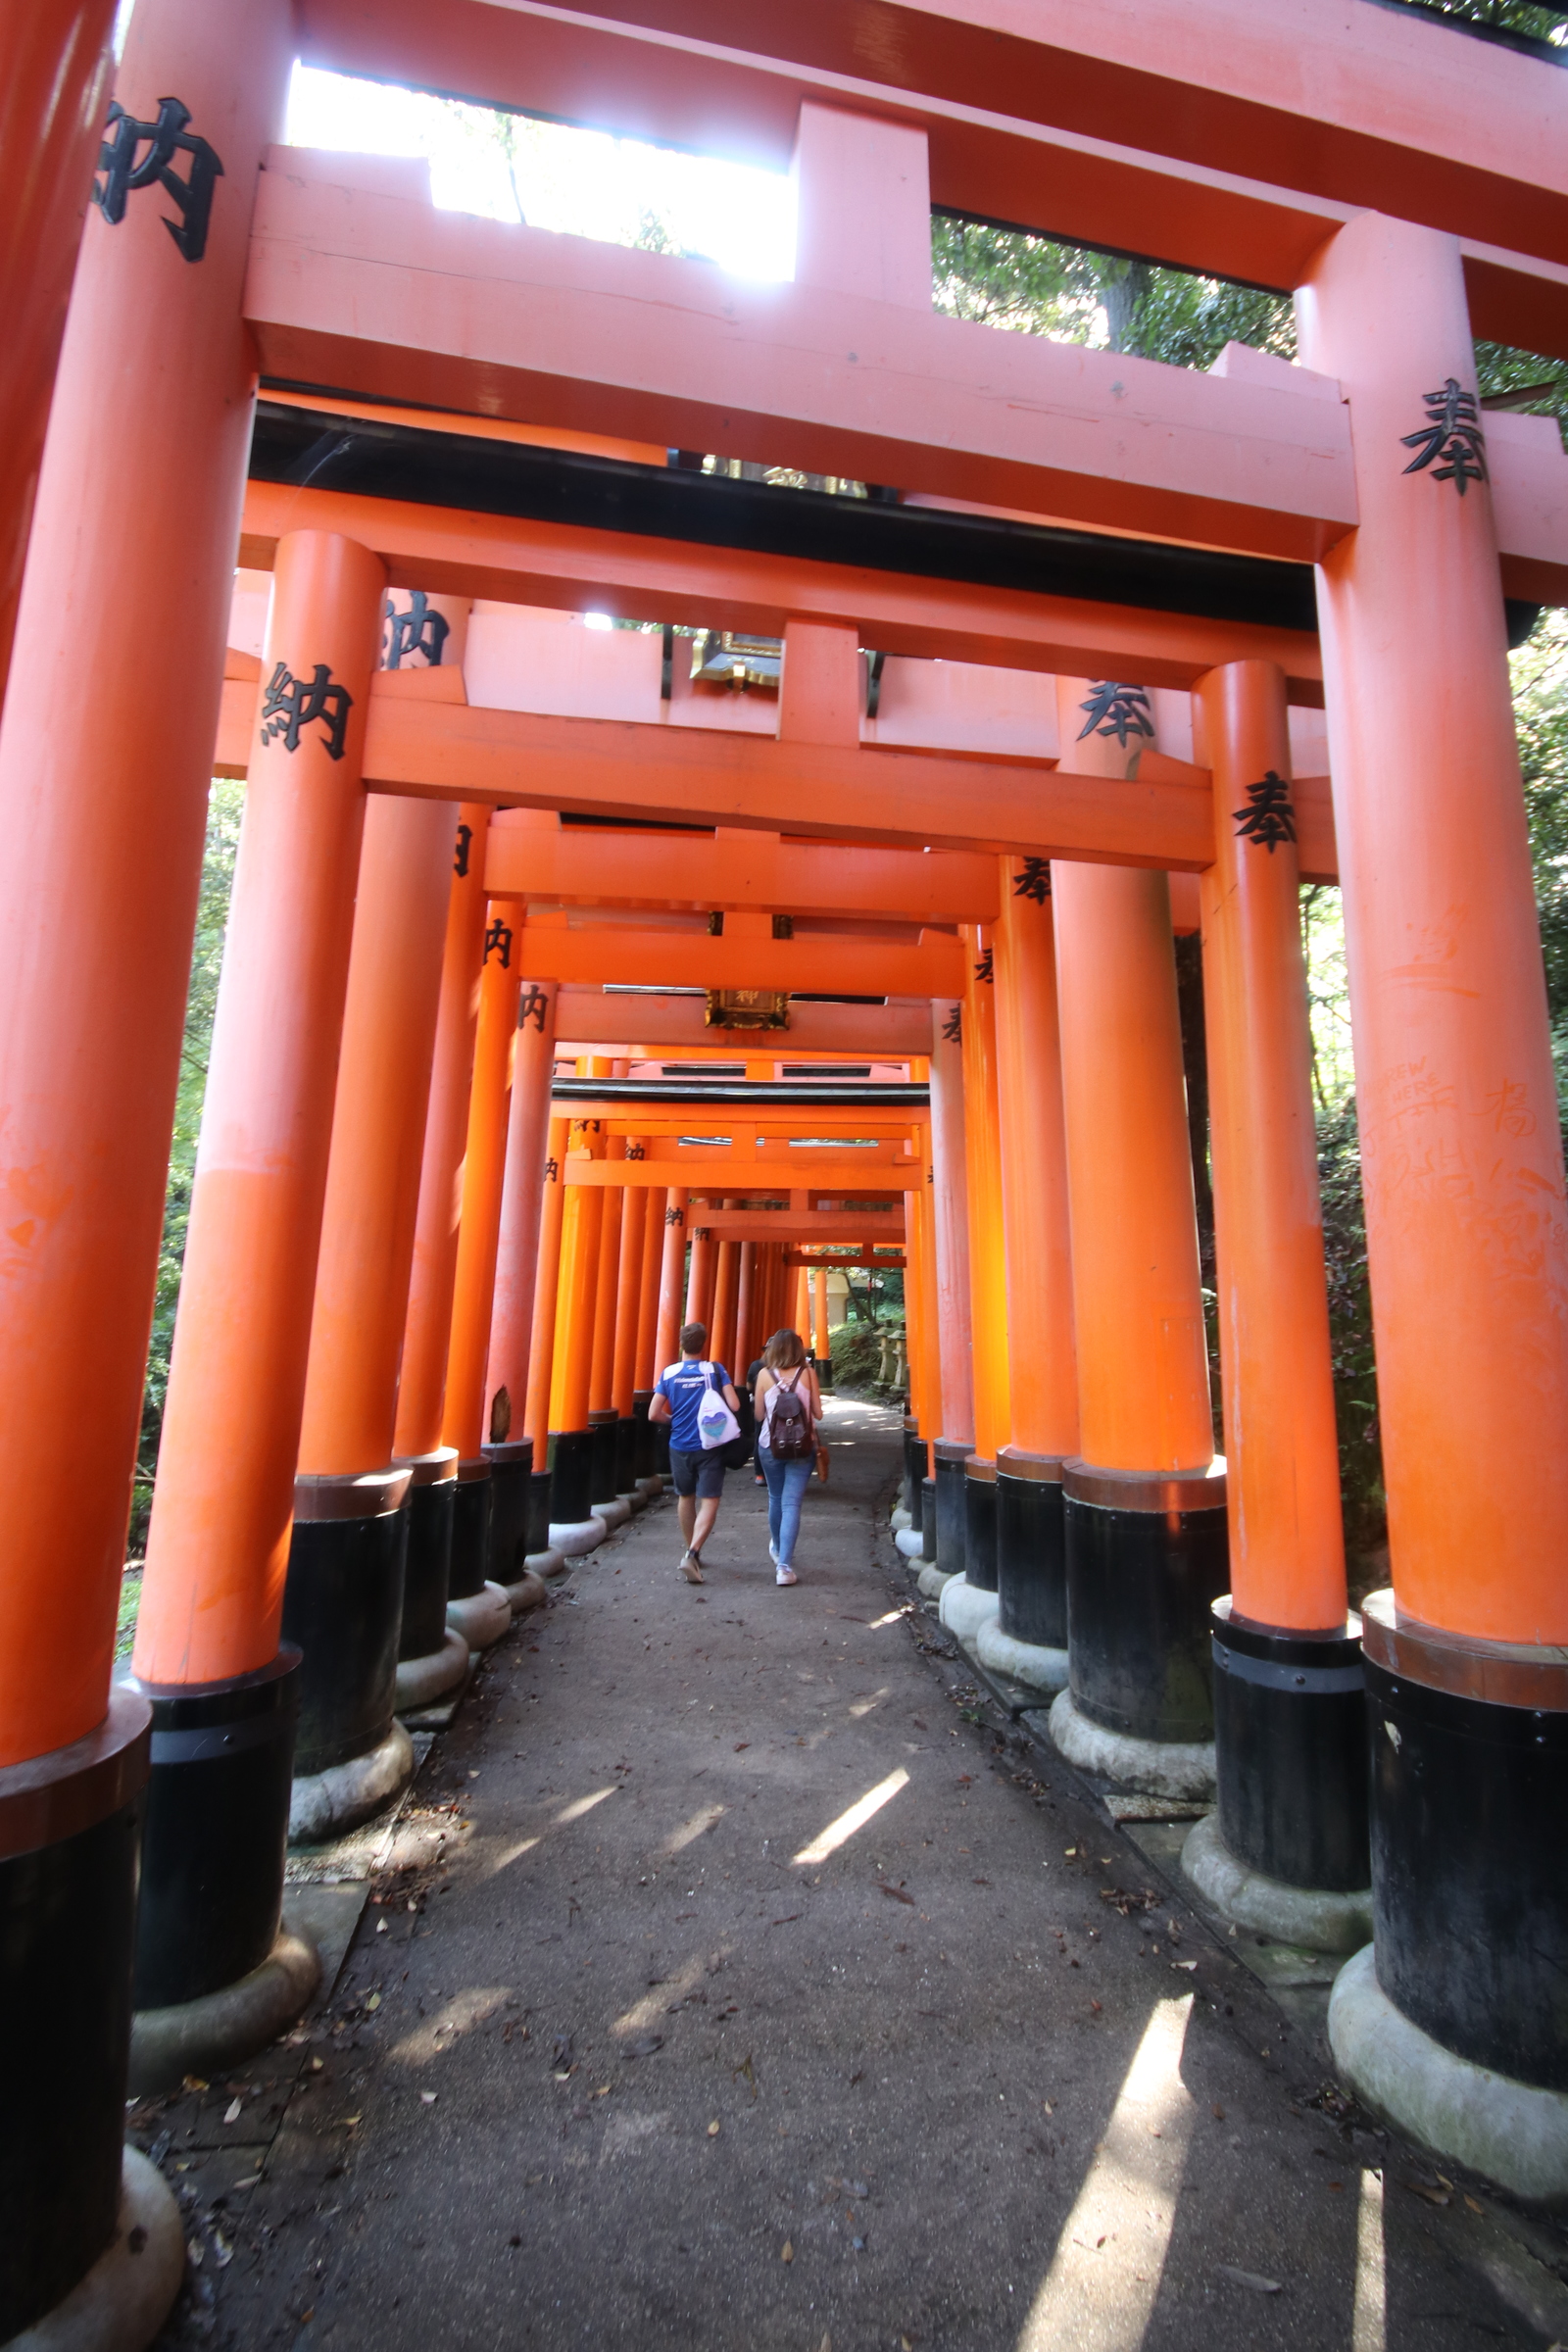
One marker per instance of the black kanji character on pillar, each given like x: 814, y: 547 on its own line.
x: 125, y: 172
x: 1454, y: 433
x: 552, y: 1170
x: 532, y: 1006
x: 952, y: 1026
x: 986, y: 968
x: 1270, y: 819
x: 292, y: 703
x: 674, y: 1216
x: 459, y: 863
x: 1033, y: 882
x: 636, y: 1150
x: 499, y: 936
x: 418, y: 630
x: 1116, y: 709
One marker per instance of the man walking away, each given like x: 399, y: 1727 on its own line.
x: 698, y: 1471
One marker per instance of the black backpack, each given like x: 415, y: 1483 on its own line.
x: 789, y: 1429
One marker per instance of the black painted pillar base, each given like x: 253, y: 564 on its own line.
x: 951, y: 1509
x: 216, y: 1830
x: 343, y: 1608
x: 1031, y: 1549
x: 603, y: 1431
x: 1469, y: 1796
x: 914, y: 1468
x: 1146, y: 1554
x: 1290, y: 1742
x: 626, y: 1472
x: 928, y: 1519
x: 428, y: 1561
x: 822, y: 1365
x: 471, y: 1529
x: 540, y: 1511
x: 645, y: 1454
x: 980, y: 1523
x: 69, y: 1831
x: 571, y: 1466
x: 510, y: 1492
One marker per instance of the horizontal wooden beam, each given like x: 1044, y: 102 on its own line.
x: 673, y: 1027
x: 792, y: 1225
x: 383, y: 296
x: 565, y: 567
x: 671, y: 872
x: 613, y: 952
x: 1214, y: 137
x: 443, y: 751
x: 735, y: 1121
x: 747, y: 1175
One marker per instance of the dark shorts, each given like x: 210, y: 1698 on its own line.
x: 701, y: 1474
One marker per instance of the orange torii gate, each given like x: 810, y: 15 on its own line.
x: 1410, y: 206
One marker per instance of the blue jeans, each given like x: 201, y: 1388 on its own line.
x: 786, y: 1484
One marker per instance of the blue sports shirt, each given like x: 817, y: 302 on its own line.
x: 682, y: 1386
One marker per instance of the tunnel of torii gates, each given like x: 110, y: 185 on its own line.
x: 1126, y: 642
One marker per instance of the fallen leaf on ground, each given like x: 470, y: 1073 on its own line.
x: 1474, y: 2207
x: 712, y: 2129
x: 232, y: 2113
x: 1259, y: 2284
x: 1433, y: 2196
x: 645, y: 2047
x: 195, y: 2083
x: 1096, y: 2006
x: 898, y: 1895
x: 427, y: 2098
x: 788, y: 2254
x: 741, y: 1745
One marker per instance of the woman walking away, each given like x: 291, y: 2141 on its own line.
x: 788, y: 1406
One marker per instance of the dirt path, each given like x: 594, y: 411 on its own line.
x: 762, y: 1995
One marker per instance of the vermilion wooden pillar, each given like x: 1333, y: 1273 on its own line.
x: 950, y: 1189
x: 602, y: 1414
x: 55, y: 67
x: 422, y: 1379
x: 821, y: 1357
x: 105, y: 765
x: 464, y: 1419
x: 1289, y: 1734
x: 1461, y: 1161
x: 628, y: 1310
x: 519, y: 1494
x: 1144, y: 1508
x: 218, y: 1548
x: 726, y: 1272
x: 671, y: 1281
x: 646, y: 1371
x: 570, y: 1441
x: 987, y: 1273
x: 700, y: 1279
x: 542, y: 1339
x: 1042, y: 1357
x: 343, y: 1602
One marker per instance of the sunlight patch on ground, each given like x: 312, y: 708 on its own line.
x: 864, y: 1706
x: 839, y: 1833
x: 1368, y: 2327
x: 457, y: 2017
x: 580, y: 1805
x: 660, y: 1997
x: 1100, y: 2290
x: 690, y: 1831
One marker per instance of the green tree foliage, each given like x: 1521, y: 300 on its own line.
x: 224, y: 811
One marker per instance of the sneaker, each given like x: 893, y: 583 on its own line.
x: 784, y: 1575
x: 691, y: 1567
